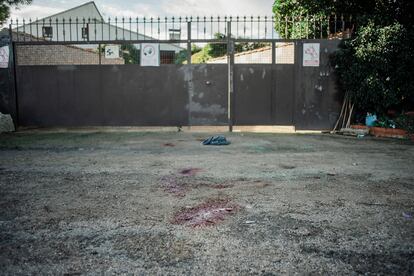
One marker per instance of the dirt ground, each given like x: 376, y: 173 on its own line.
x: 161, y: 203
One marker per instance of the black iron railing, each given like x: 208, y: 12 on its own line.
x: 180, y: 29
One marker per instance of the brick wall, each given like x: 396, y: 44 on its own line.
x: 60, y: 55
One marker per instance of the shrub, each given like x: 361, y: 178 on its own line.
x: 405, y: 122
x: 376, y: 68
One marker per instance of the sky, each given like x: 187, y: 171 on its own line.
x: 148, y: 8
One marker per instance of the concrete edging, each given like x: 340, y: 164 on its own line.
x: 192, y: 129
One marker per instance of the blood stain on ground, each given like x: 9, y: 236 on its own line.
x: 171, y: 145
x: 173, y: 185
x: 190, y: 171
x: 222, y: 186
x: 176, y: 183
x: 208, y: 213
x: 287, y: 167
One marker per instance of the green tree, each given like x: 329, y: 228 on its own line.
x: 181, y: 57
x: 130, y: 54
x: 217, y: 49
x: 195, y: 49
x: 301, y: 19
x: 375, y: 68
x: 5, y: 6
x: 380, y: 12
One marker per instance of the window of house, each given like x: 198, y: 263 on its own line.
x: 47, y: 31
x: 175, y: 34
x: 85, y: 33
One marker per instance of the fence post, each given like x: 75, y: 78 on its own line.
x: 100, y: 54
x: 230, y: 66
x: 273, y: 84
x: 189, y: 42
x: 13, y: 73
x: 297, y: 77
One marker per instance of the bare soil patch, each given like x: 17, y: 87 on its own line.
x: 128, y: 203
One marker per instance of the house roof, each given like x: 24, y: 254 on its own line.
x: 91, y: 5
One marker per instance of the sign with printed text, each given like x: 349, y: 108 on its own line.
x: 150, y: 54
x: 311, y: 54
x: 4, y: 57
x: 111, y: 51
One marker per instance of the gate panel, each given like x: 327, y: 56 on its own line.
x: 93, y: 95
x: 317, y: 101
x: 207, y: 90
x: 283, y: 82
x: 76, y: 95
x: 264, y: 94
x: 144, y: 96
x: 253, y: 94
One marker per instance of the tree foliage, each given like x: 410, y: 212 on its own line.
x: 5, y: 6
x: 181, y: 57
x: 130, y: 54
x: 376, y: 68
x: 380, y: 12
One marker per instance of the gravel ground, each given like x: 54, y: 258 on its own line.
x: 161, y: 203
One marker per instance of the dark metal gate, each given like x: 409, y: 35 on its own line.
x: 225, y: 90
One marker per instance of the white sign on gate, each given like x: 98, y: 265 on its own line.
x: 311, y: 52
x: 111, y: 51
x: 4, y: 57
x: 150, y: 54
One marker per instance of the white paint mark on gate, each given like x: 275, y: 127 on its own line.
x: 264, y: 74
x: 4, y: 57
